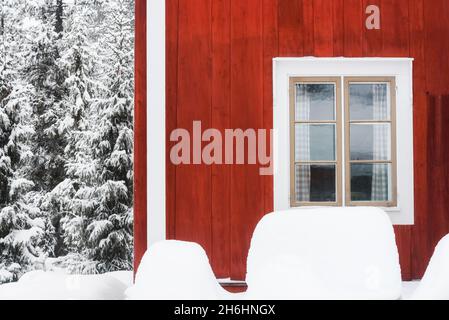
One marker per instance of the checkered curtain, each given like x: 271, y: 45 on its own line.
x: 380, y: 144
x: 302, y: 139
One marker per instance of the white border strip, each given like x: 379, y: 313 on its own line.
x: 156, y: 121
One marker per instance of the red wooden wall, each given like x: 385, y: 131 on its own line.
x: 219, y: 71
x: 140, y: 133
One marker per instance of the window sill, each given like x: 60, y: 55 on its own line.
x: 396, y: 214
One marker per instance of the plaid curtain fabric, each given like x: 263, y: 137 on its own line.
x: 380, y: 144
x: 302, y: 138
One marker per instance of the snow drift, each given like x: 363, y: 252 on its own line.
x: 40, y: 285
x: 326, y: 253
x: 435, y: 283
x: 175, y: 270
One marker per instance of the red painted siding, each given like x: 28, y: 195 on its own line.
x: 140, y: 134
x: 219, y: 71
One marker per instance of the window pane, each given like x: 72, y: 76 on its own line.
x: 315, y: 142
x: 370, y: 182
x: 315, y: 102
x: 369, y: 101
x: 370, y: 142
x: 315, y: 183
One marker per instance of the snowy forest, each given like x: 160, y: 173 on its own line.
x: 66, y: 136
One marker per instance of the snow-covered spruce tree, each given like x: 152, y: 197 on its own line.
x: 66, y: 90
x: 98, y: 223
x: 47, y: 79
x: 111, y: 231
x: 80, y: 63
x: 25, y: 235
x: 45, y: 75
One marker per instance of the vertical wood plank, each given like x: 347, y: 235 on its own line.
x: 438, y: 183
x: 247, y: 191
x: 193, y: 182
x: 270, y: 50
x: 419, y: 244
x: 291, y: 28
x: 309, y: 27
x: 323, y: 28
x: 437, y: 33
x: 221, y: 174
x: 171, y: 76
x: 140, y: 134
x: 353, y: 27
x: 338, y: 27
x: 395, y: 33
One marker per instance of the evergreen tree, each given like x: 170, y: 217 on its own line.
x: 25, y: 235
x: 66, y: 135
x: 102, y: 207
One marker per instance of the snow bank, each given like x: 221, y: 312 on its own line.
x: 326, y: 253
x: 408, y: 289
x: 40, y: 285
x: 435, y: 283
x: 175, y: 270
x: 6, y: 276
x: 125, y: 277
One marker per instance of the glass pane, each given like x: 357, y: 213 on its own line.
x: 315, y: 142
x: 371, y: 142
x: 315, y: 102
x: 315, y: 183
x: 369, y: 101
x: 371, y: 182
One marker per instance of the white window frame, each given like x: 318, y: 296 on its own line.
x: 399, y: 68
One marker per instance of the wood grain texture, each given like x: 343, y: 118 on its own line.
x: 323, y: 28
x: 419, y: 250
x: 194, y: 89
x: 247, y: 205
x: 290, y: 27
x: 171, y: 75
x: 270, y: 49
x: 353, y: 15
x: 140, y: 134
x: 221, y: 111
x: 219, y: 56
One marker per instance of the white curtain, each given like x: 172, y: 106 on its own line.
x: 380, y: 144
x: 303, y: 176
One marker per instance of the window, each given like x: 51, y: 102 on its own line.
x: 344, y: 134
x: 316, y: 143
x: 370, y: 131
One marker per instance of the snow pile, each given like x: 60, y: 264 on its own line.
x: 331, y: 253
x: 6, y: 276
x: 435, y: 283
x: 125, y: 277
x: 175, y: 270
x: 408, y: 289
x: 40, y: 285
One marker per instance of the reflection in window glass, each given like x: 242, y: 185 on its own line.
x: 370, y: 141
x: 315, y: 102
x: 315, y: 183
x: 371, y: 182
x: 369, y: 101
x: 315, y: 142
